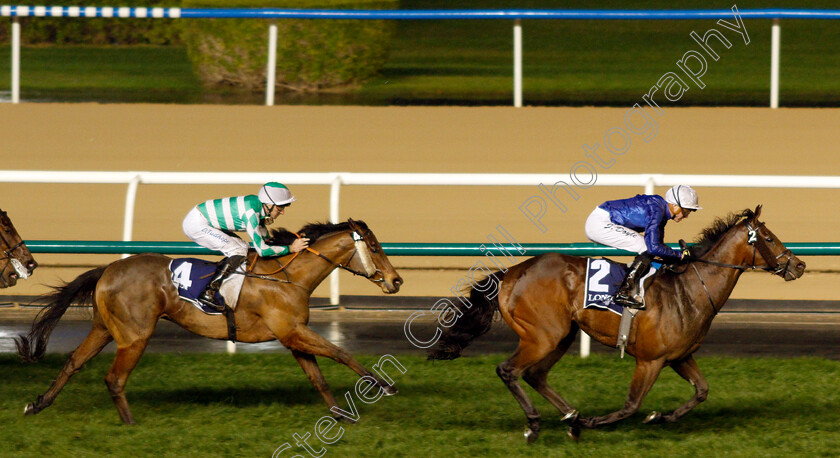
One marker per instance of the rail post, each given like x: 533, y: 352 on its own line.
x: 271, y: 71
x: 15, y: 60
x: 517, y: 63
x: 775, y: 50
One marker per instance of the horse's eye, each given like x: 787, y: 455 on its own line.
x: 768, y: 238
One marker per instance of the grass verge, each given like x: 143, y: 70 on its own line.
x: 249, y: 405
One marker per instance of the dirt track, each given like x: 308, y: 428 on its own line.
x: 440, y: 139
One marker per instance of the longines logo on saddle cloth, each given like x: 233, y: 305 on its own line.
x: 191, y: 276
x: 603, y: 278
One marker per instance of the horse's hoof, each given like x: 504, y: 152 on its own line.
x: 574, y: 432
x: 30, y: 409
x: 653, y: 418
x: 389, y: 390
x: 531, y: 435
x: 571, y: 417
x: 341, y: 418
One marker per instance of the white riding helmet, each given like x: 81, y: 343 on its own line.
x: 683, y: 196
x: 274, y: 193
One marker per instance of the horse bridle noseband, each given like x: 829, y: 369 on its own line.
x: 773, y: 264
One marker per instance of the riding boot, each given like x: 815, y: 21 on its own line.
x: 226, y: 267
x: 629, y: 295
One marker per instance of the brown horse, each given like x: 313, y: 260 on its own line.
x: 18, y: 260
x: 129, y: 297
x: 541, y: 299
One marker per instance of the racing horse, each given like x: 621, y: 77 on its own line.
x: 18, y: 262
x: 541, y: 299
x: 129, y: 296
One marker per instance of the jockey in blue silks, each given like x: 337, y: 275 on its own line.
x: 619, y: 224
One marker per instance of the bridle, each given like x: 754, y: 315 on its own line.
x: 360, y: 247
x: 8, y: 255
x: 363, y: 250
x: 760, y: 246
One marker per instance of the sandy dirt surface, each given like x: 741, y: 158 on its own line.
x: 413, y: 139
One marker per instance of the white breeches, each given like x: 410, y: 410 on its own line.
x: 601, y: 230
x: 199, y: 231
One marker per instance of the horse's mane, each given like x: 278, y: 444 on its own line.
x: 313, y: 231
x: 712, y: 234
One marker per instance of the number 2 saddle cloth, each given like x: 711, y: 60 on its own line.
x: 604, y: 277
x: 191, y: 276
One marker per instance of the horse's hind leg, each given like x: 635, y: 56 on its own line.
x: 90, y: 347
x: 310, y: 367
x: 124, y: 363
x: 529, y: 352
x: 688, y: 370
x: 537, y: 375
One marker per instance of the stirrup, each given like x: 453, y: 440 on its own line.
x: 209, y: 303
x: 628, y: 301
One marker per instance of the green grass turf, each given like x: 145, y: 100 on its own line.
x: 249, y: 405
x: 471, y: 62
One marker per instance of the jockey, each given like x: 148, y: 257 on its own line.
x: 618, y: 223
x: 211, y: 225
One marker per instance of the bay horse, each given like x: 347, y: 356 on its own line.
x: 19, y: 263
x: 541, y: 299
x: 129, y: 296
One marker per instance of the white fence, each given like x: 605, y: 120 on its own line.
x: 76, y: 12
x: 335, y: 180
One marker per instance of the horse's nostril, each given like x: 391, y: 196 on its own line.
x: 31, y: 265
x: 13, y: 276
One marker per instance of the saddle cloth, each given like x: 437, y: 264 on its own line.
x: 603, y: 278
x: 191, y: 276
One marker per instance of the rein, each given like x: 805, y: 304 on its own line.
x: 356, y: 236
x: 773, y: 264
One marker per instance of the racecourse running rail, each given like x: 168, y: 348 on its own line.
x: 516, y: 15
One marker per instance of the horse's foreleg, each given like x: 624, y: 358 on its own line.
x: 643, y: 379
x: 305, y: 340
x: 124, y: 363
x: 90, y: 347
x: 688, y: 370
x: 310, y: 368
x: 537, y: 376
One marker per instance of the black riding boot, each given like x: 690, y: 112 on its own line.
x: 226, y: 267
x: 629, y: 295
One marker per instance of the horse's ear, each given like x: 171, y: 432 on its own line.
x: 757, y: 212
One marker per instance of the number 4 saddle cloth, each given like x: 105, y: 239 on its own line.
x: 191, y: 276
x: 604, y: 277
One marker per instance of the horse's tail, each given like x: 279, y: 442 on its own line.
x: 32, y: 346
x: 475, y: 321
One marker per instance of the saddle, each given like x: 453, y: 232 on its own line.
x: 190, y: 276
x: 603, y: 279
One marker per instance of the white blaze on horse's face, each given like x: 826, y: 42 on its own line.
x: 364, y: 254
x: 23, y: 272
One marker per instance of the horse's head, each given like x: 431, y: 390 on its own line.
x: 768, y: 252
x: 16, y: 260
x: 370, y: 259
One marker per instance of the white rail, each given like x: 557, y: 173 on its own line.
x: 336, y: 179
